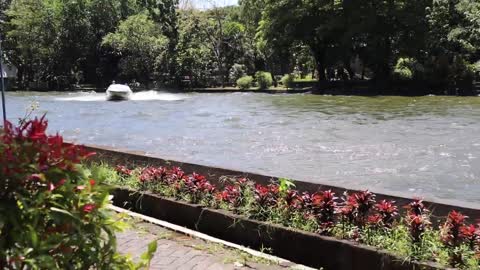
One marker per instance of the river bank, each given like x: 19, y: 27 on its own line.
x: 275, y: 90
x: 351, y: 88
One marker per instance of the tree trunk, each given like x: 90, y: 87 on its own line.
x: 319, y: 55
x: 321, y: 71
x: 20, y: 79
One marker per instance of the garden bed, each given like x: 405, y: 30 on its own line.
x: 302, y: 247
x: 439, y: 208
x: 319, y: 229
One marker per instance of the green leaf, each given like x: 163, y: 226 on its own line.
x: 285, y: 184
x: 33, y: 236
x: 147, y: 256
x: 65, y: 213
x: 152, y: 247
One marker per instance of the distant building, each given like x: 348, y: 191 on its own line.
x: 9, y: 71
x: 9, y: 74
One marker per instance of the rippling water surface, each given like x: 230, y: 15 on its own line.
x: 424, y: 146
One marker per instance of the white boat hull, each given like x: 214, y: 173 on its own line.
x: 119, y: 92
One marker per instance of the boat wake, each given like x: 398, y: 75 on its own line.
x: 89, y: 98
x: 154, y: 95
x: 139, y: 96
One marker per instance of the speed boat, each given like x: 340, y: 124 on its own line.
x: 119, y: 92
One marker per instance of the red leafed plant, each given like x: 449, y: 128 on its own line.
x: 230, y: 195
x: 451, y: 229
x: 356, y: 207
x: 471, y: 235
x: 290, y: 198
x: 387, y: 211
x: 123, y: 170
x: 153, y: 175
x: 264, y: 196
x: 324, y: 206
x: 197, y: 187
x: 375, y: 220
x: 174, y: 175
x: 417, y: 219
x: 453, y: 233
x: 53, y: 214
x: 304, y: 204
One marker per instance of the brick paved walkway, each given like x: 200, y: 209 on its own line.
x: 177, y: 251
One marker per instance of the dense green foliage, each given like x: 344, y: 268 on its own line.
x: 94, y: 41
x: 404, y: 69
x: 54, y: 215
x: 244, y: 83
x: 287, y: 80
x: 264, y: 80
x: 236, y: 72
x: 60, y: 41
x: 140, y: 42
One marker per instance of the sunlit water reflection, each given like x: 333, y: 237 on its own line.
x: 425, y: 146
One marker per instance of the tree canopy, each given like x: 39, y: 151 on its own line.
x: 140, y: 44
x: 95, y: 41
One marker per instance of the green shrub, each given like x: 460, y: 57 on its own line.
x: 408, y: 69
x: 476, y: 66
x: 237, y: 71
x: 287, y: 81
x: 403, y: 70
x: 403, y: 74
x: 461, y: 69
x: 264, y: 80
x: 54, y: 215
x: 245, y: 82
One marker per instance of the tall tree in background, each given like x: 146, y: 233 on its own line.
x: 453, y: 39
x: 312, y: 22
x: 140, y: 42
x: 50, y: 40
x: 194, y: 56
x: 214, y: 40
x: 61, y: 40
x: 164, y: 13
x: 250, y: 17
x: 31, y: 38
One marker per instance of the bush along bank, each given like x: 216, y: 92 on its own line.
x: 53, y: 213
x: 356, y: 217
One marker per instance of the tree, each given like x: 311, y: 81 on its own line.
x: 104, y: 17
x: 142, y: 46
x: 453, y: 40
x: 194, y: 57
x: 454, y: 27
x: 311, y: 22
x: 31, y: 31
x: 4, y: 4
x: 225, y: 38
x: 164, y: 14
x: 210, y: 43
x: 52, y: 39
x: 250, y: 16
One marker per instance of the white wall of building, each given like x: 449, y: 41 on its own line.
x: 9, y: 71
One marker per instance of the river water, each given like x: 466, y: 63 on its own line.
x: 422, y: 146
